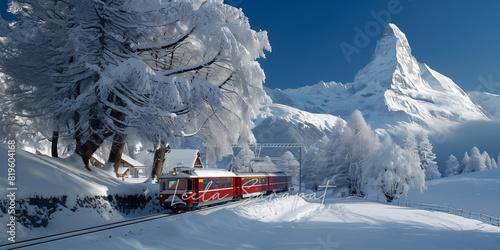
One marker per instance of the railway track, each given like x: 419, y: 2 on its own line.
x: 83, y: 231
x: 90, y: 230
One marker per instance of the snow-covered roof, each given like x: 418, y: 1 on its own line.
x: 213, y: 172
x: 251, y: 174
x: 180, y: 158
x: 131, y: 161
x: 122, y: 170
x: 199, y: 172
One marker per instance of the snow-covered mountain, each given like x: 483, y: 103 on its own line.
x: 489, y: 102
x: 394, y: 91
x: 285, y: 124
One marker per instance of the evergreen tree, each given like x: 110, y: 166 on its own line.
x: 427, y: 159
x: 476, y: 162
x: 464, y: 163
x: 452, y: 166
x: 498, y: 162
x: 493, y: 163
x: 487, y: 161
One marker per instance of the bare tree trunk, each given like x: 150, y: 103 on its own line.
x: 55, y: 140
x: 116, y: 151
x: 158, y: 161
x: 86, y: 149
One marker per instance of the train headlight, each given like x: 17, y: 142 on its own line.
x: 174, y: 173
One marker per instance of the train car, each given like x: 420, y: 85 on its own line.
x: 188, y: 188
x: 278, y: 182
x: 251, y: 184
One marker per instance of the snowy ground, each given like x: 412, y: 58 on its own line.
x: 281, y: 223
x: 478, y: 191
x: 294, y: 223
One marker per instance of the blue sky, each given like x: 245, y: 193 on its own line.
x: 460, y: 39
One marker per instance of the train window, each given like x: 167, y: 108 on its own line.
x: 253, y: 182
x: 223, y: 183
x: 229, y: 182
x: 163, y: 185
x: 248, y: 182
x: 178, y: 184
x: 217, y: 183
x: 206, y: 184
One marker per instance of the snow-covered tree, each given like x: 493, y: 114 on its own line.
x: 394, y: 170
x: 493, y: 163
x: 353, y: 158
x: 487, y: 161
x: 427, y: 159
x: 355, y: 143
x: 452, y: 166
x: 498, y: 161
x: 242, y: 161
x: 476, y: 162
x: 265, y: 165
x: 409, y: 142
x: 290, y: 164
x: 463, y: 163
x: 315, y: 166
x: 94, y: 70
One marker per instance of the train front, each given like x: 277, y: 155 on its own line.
x: 176, y: 190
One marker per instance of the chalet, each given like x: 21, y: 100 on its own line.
x: 94, y: 161
x: 130, y: 167
x: 189, y: 158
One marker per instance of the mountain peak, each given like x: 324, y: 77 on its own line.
x: 393, y: 30
x: 393, y: 43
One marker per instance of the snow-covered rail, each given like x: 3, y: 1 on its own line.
x: 83, y: 231
x: 95, y: 229
x: 493, y: 220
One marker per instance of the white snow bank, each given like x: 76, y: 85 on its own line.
x: 343, y: 224
x: 39, y: 175
x: 478, y: 191
x: 285, y: 208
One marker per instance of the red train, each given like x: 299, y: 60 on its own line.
x: 188, y: 188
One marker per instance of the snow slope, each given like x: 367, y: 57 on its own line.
x: 294, y: 223
x: 46, y: 176
x: 490, y: 102
x: 393, y: 91
x: 284, y: 124
x: 64, y: 185
x: 478, y: 191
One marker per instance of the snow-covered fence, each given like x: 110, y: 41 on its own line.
x: 487, y: 218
